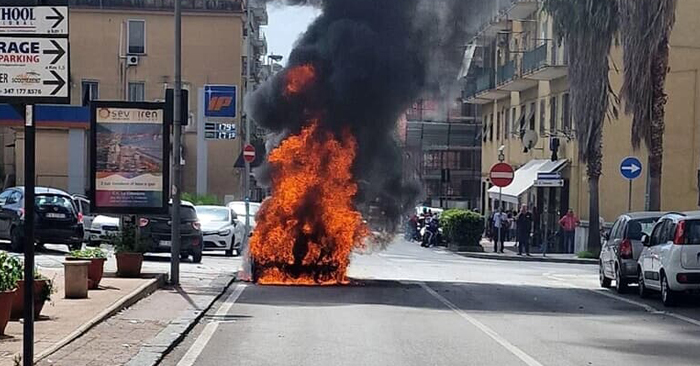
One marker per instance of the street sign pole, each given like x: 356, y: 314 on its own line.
x: 249, y: 63
x: 501, y: 159
x: 29, y: 173
x: 177, y: 126
x: 629, y: 196
x: 630, y: 169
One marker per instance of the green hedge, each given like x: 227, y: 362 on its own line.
x: 462, y: 227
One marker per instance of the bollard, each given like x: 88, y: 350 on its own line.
x: 76, y: 279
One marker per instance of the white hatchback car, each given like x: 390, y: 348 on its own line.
x: 670, y: 261
x: 221, y: 229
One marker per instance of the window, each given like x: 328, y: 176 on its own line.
x: 542, y: 117
x: 506, y: 114
x: 4, y: 196
x: 498, y: 126
x: 615, y: 228
x: 533, y: 106
x: 89, y: 90
x: 136, y: 37
x: 513, y: 120
x: 553, y: 115
x: 137, y: 92
x: 490, y: 119
x: 14, y: 198
x: 566, y: 112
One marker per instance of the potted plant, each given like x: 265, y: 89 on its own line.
x: 129, y: 252
x: 97, y: 258
x: 10, y: 273
x: 43, y: 289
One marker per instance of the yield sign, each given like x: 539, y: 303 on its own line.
x: 501, y: 175
x: 249, y: 153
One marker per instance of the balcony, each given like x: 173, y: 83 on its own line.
x: 259, y: 42
x: 545, y: 62
x: 483, y: 89
x: 259, y: 12
x: 233, y: 6
x: 509, y: 80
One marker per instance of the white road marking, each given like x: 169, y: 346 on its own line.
x: 204, y: 337
x: 646, y: 307
x: 527, y: 359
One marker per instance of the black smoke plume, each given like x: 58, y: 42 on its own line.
x: 373, y: 59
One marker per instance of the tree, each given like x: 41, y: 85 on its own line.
x: 587, y: 28
x: 645, y: 26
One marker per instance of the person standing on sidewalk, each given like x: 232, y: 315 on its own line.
x: 524, y: 222
x: 568, y: 224
x: 500, y: 223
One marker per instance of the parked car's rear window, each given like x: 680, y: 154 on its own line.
x: 637, y: 228
x: 186, y: 213
x: 51, y: 200
x: 692, y: 232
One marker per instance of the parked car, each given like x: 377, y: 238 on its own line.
x: 102, y: 229
x: 670, y: 261
x: 56, y: 218
x: 156, y: 231
x: 622, y: 247
x: 239, y: 208
x: 221, y: 229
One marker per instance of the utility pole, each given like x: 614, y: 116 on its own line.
x: 177, y: 127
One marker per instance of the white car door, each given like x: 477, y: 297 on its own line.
x: 646, y: 259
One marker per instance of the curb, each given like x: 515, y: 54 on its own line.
x: 137, y: 294
x: 529, y: 259
x: 167, y: 339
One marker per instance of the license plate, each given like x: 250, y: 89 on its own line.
x: 165, y: 243
x: 52, y: 215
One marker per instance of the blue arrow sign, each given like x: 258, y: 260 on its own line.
x: 631, y: 168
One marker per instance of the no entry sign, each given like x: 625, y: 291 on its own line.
x: 501, y: 175
x: 249, y: 153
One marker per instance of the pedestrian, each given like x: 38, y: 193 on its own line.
x: 524, y: 222
x: 568, y: 224
x: 500, y: 223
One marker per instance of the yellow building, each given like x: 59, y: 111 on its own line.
x: 520, y: 81
x: 123, y: 50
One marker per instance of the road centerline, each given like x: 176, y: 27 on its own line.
x: 517, y: 352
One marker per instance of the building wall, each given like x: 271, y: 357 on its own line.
x: 211, y: 44
x: 682, y: 136
x: 52, y: 165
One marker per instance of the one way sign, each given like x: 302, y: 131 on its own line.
x: 34, y: 68
x: 631, y: 168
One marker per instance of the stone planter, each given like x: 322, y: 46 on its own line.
x: 76, y: 279
x: 18, y: 301
x: 95, y: 270
x: 129, y: 264
x: 5, y: 308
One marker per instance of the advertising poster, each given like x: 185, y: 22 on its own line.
x: 130, y: 160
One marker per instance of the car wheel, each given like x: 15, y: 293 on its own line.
x: 668, y: 296
x: 16, y: 244
x: 604, y: 281
x: 620, y: 282
x: 184, y: 256
x: 197, y: 256
x: 643, y: 291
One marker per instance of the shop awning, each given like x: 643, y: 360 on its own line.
x: 525, y: 178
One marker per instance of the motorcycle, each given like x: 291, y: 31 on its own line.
x: 431, y: 233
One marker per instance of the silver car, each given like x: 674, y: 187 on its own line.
x: 622, y: 247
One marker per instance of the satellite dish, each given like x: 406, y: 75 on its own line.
x: 529, y: 140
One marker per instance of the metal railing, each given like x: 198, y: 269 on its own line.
x: 506, y: 72
x: 187, y: 5
x: 484, y: 81
x: 535, y: 59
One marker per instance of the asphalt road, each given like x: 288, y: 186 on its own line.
x: 416, y: 306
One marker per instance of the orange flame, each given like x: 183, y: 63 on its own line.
x: 299, y: 78
x: 307, y: 230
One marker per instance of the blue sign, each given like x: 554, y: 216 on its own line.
x: 631, y: 168
x: 545, y: 176
x: 220, y: 101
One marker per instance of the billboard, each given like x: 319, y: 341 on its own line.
x: 220, y: 101
x: 129, y: 157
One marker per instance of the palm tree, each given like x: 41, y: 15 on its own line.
x: 587, y: 28
x: 645, y: 26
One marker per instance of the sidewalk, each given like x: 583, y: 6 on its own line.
x: 143, y: 333
x: 511, y: 254
x: 63, y: 320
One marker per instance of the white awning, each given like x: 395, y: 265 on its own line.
x: 525, y: 178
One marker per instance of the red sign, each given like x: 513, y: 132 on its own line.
x: 249, y: 153
x: 501, y: 175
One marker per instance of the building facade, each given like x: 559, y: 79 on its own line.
x: 520, y: 82
x: 123, y: 50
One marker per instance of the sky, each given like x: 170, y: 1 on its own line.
x: 285, y: 25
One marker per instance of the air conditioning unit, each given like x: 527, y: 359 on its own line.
x: 132, y: 60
